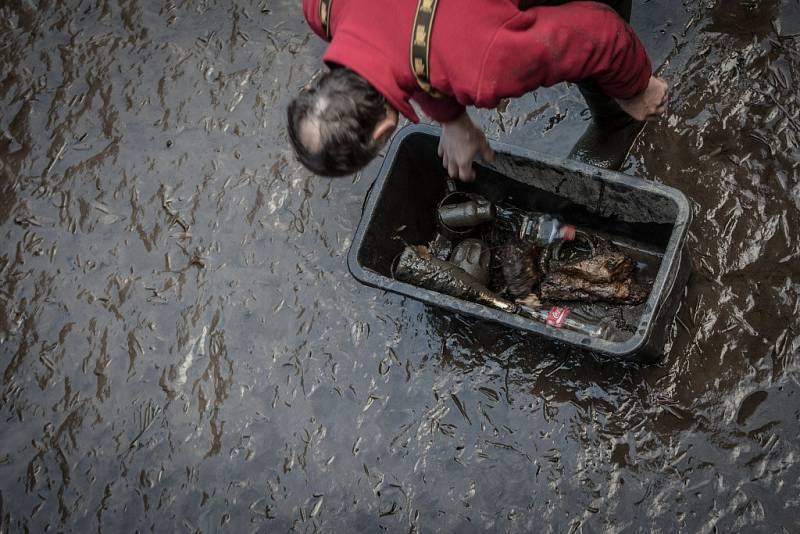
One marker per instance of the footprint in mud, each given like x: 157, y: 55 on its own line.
x: 749, y: 406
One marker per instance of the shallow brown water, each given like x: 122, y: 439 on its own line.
x: 183, y: 349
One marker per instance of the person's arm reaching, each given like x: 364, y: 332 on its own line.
x: 547, y: 45
x: 573, y: 42
x: 648, y: 104
x: 461, y: 140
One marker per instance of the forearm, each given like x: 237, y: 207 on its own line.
x: 577, y: 41
x: 460, y: 142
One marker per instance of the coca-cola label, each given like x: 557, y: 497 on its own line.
x: 557, y: 316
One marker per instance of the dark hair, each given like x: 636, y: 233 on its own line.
x: 341, y: 109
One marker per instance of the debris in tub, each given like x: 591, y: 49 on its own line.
x: 563, y: 287
x: 531, y: 275
x: 605, y: 274
x: 417, y: 266
x: 519, y: 262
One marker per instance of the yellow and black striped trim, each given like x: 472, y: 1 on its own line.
x: 420, y: 40
x: 420, y: 45
x: 325, y: 16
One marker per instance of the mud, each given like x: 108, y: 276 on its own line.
x: 182, y: 347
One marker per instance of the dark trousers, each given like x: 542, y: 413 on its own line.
x: 623, y: 7
x: 605, y: 110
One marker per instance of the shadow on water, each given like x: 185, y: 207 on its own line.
x: 745, y: 19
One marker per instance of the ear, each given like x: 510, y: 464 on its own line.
x: 386, y: 125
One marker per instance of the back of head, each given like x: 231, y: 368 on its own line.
x: 331, y: 123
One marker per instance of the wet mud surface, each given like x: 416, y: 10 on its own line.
x: 183, y: 349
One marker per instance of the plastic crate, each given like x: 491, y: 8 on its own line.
x: 411, y: 182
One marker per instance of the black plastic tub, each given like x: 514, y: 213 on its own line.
x: 400, y: 208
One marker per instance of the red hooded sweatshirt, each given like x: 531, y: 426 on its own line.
x: 482, y: 51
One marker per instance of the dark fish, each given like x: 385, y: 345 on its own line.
x: 519, y: 264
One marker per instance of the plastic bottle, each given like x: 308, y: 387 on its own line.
x: 545, y: 229
x: 563, y: 317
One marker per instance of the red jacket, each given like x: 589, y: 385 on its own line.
x: 483, y: 50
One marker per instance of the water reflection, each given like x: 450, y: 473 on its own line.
x: 183, y: 348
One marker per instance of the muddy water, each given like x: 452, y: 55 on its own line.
x: 182, y: 347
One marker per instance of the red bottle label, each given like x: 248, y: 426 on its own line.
x: 557, y: 316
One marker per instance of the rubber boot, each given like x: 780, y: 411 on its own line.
x: 608, y: 139
x: 611, y: 133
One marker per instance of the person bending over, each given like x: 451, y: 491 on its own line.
x: 479, y: 52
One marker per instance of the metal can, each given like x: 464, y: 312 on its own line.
x: 464, y: 214
x: 459, y: 213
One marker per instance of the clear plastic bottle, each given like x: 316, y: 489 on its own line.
x: 545, y: 229
x: 563, y: 317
